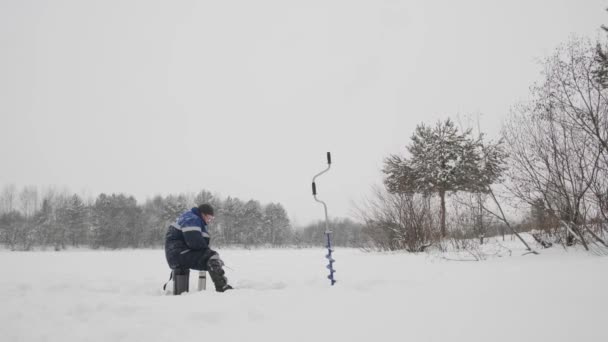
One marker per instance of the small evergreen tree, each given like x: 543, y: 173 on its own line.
x: 11, y: 224
x: 74, y: 215
x: 444, y: 160
x: 600, y: 71
x: 230, y: 221
x: 251, y: 232
x: 277, y: 228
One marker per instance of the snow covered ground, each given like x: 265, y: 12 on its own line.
x: 84, y: 295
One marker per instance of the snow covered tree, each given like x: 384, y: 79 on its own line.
x: 205, y: 196
x: 11, y: 225
x: 251, y: 233
x: 48, y: 230
x: 117, y: 221
x: 154, y: 221
x: 70, y: 220
x: 277, y: 228
x: 230, y: 220
x: 175, y: 206
x: 11, y: 220
x: 28, y: 198
x: 8, y: 198
x: 600, y: 70
x: 102, y: 221
x: 74, y: 217
x: 558, y: 142
x: 443, y: 160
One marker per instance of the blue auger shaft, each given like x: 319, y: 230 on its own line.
x: 330, y: 266
x: 327, y: 231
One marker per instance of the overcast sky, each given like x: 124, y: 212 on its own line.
x: 244, y: 98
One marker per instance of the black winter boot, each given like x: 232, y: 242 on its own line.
x: 226, y: 288
x: 217, y: 275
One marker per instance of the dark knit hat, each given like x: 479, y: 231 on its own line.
x: 205, y: 209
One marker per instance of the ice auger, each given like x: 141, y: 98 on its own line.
x: 330, y: 266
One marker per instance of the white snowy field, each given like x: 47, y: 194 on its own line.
x: 283, y: 295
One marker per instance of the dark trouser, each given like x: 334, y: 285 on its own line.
x: 205, y: 260
x: 196, y: 260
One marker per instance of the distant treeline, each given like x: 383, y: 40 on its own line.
x: 62, y: 220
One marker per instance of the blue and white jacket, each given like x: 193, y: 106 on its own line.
x: 188, y: 233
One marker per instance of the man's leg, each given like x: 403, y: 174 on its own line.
x: 192, y: 260
x: 207, y: 260
x: 216, y: 271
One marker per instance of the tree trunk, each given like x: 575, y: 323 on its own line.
x: 503, y: 218
x: 572, y: 229
x: 595, y: 236
x: 442, y: 213
x: 481, y: 231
